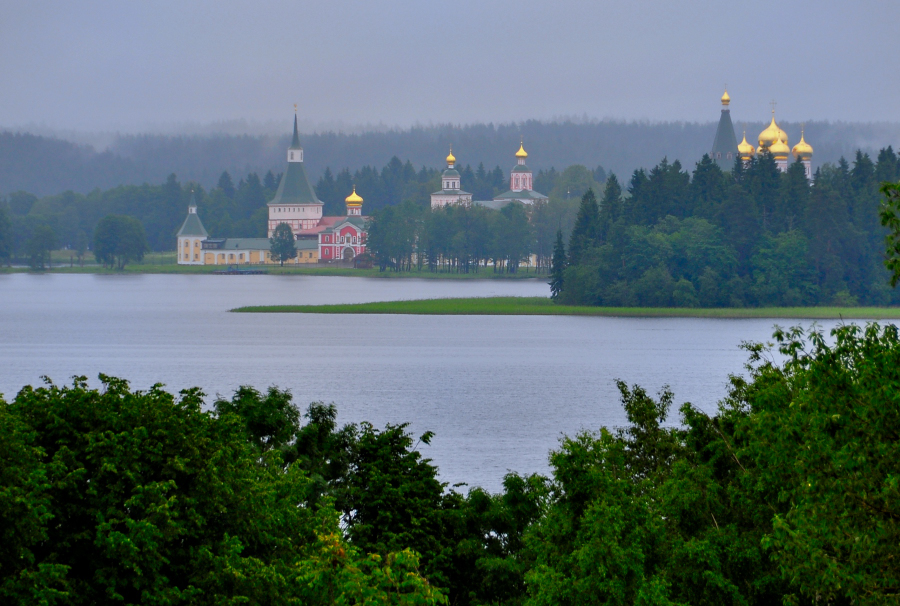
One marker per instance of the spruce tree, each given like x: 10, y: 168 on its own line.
x: 557, y: 266
x: 586, y: 233
x: 610, y: 206
x: 226, y: 185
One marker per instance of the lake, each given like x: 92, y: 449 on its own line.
x: 498, y: 392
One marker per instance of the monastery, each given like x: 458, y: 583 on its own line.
x: 772, y: 140
x: 318, y: 238
x: 521, y: 181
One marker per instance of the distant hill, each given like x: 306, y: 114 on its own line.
x: 46, y: 165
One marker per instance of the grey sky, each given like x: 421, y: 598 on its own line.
x: 131, y: 65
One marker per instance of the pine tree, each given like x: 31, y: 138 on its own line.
x: 610, y: 206
x: 226, y: 185
x: 586, y: 233
x: 557, y: 266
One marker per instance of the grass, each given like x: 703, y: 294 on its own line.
x: 539, y: 306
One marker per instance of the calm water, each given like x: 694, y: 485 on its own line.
x: 498, y: 391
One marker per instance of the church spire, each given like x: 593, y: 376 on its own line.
x: 295, y: 151
x: 295, y: 142
x: 725, y: 145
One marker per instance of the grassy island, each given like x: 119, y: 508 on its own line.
x: 540, y: 306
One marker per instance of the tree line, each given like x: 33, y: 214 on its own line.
x: 235, y: 209
x: 786, y: 494
x: 751, y: 237
x: 46, y: 165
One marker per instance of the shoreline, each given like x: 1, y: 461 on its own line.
x: 348, y: 272
x: 538, y: 306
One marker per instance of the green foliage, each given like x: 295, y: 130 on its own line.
x: 281, y: 244
x: 454, y: 238
x: 81, y: 246
x: 574, y: 182
x: 558, y: 267
x: 139, y: 497
x: 271, y: 422
x: 42, y: 241
x: 890, y: 218
x: 752, y: 237
x: 825, y: 429
x: 119, y: 240
x: 5, y: 232
x: 586, y: 232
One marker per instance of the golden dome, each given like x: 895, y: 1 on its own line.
x: 770, y: 134
x: 745, y: 149
x: 354, y: 199
x: 521, y: 153
x: 726, y: 98
x: 803, y: 150
x: 451, y: 159
x: 780, y: 149
x: 782, y: 136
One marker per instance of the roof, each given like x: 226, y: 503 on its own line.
x: 295, y: 142
x: 450, y: 172
x: 525, y: 194
x: 192, y: 226
x: 244, y: 244
x: 295, y: 187
x: 725, y: 142
x: 261, y: 244
x: 521, y: 168
x: 356, y: 221
x: 451, y: 192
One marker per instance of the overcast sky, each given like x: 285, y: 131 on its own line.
x: 134, y: 66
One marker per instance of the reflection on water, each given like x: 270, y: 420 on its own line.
x: 498, y: 391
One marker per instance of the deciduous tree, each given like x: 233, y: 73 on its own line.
x: 119, y: 240
x: 282, y: 245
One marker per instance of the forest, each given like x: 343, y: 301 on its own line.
x: 751, y: 237
x: 787, y: 493
x: 49, y: 164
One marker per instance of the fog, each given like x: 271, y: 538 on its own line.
x: 168, y: 66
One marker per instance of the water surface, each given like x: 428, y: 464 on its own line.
x: 497, y: 391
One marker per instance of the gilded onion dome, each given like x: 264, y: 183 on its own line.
x: 782, y: 136
x: 803, y: 150
x: 770, y: 135
x: 745, y: 150
x: 354, y: 199
x: 521, y: 153
x: 726, y: 98
x: 780, y: 149
x: 451, y: 159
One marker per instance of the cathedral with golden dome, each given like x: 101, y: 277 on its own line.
x: 521, y: 186
x: 772, y: 140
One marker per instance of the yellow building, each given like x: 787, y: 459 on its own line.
x: 253, y: 251
x: 190, y: 237
x: 195, y: 247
